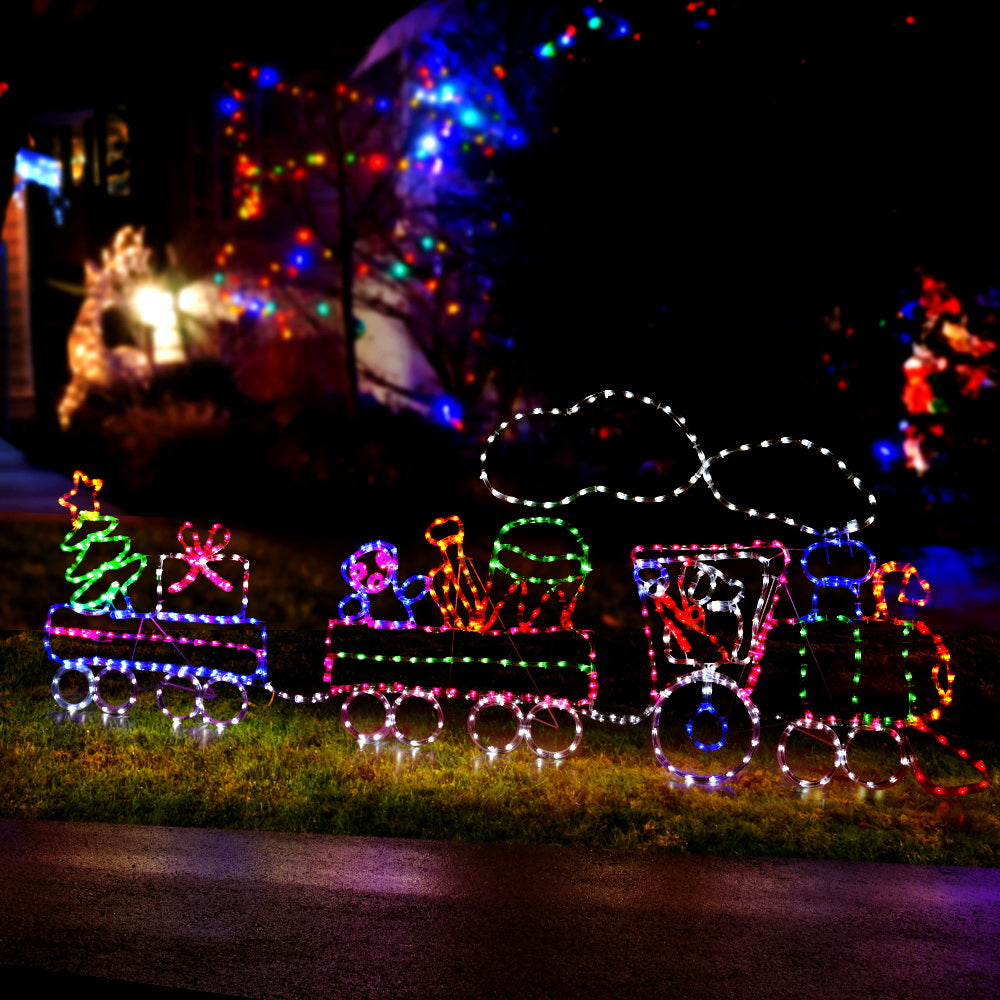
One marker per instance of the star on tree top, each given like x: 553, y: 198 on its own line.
x: 66, y: 500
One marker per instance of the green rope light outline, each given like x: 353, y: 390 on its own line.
x: 499, y: 547
x: 452, y: 660
x: 86, y: 580
x: 865, y: 718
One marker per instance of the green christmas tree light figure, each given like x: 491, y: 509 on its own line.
x: 100, y: 582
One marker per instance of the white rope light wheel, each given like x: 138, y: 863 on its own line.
x: 820, y: 732
x: 224, y: 702
x: 553, y: 731
x: 481, y: 739
x: 703, y: 704
x: 108, y: 678
x: 904, y: 760
x: 367, y: 735
x: 179, y: 697
x: 73, y: 703
x: 407, y: 738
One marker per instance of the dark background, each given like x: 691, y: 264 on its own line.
x: 718, y: 191
x: 691, y: 204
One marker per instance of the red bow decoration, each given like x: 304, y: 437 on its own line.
x: 198, y: 554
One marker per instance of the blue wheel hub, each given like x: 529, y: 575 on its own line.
x: 707, y: 708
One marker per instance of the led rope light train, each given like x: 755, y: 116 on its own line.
x: 707, y: 609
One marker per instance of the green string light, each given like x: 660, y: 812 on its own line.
x: 452, y: 660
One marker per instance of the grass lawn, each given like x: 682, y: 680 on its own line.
x: 295, y: 768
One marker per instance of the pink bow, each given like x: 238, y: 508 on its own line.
x: 198, y: 554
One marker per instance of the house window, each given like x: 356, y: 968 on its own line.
x: 117, y: 165
x: 94, y: 147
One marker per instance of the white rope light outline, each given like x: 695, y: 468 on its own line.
x: 500, y: 701
x: 77, y: 666
x: 372, y: 735
x: 904, y: 760
x: 207, y: 694
x: 551, y: 705
x: 420, y: 695
x: 840, y: 753
x: 170, y: 681
x: 832, y: 739
x: 704, y: 678
x: 555, y: 412
x: 702, y: 473
x: 120, y: 708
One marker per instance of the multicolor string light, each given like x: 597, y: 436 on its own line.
x: 592, y: 19
x: 363, y: 193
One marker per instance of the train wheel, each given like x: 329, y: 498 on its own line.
x: 819, y: 733
x: 720, y: 722
x: 116, y: 690
x: 73, y: 693
x: 224, y: 703
x: 892, y: 779
x: 359, y: 723
x: 553, y: 731
x: 407, y: 735
x: 179, y: 697
x: 493, y: 733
